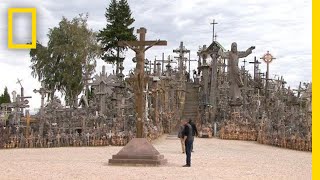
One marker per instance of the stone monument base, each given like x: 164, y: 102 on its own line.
x: 138, y: 152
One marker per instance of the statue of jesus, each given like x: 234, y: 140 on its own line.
x: 234, y: 71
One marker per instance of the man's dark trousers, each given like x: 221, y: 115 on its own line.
x: 192, y: 143
x: 188, y: 144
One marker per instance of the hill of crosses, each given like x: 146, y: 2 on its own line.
x: 220, y: 95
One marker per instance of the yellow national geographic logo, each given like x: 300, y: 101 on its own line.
x: 33, y: 12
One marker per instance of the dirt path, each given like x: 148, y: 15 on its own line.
x: 212, y: 159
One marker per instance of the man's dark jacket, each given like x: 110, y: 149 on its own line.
x: 194, y: 128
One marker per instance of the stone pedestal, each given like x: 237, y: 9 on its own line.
x: 138, y: 152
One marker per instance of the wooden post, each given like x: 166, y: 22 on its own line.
x: 213, y: 89
x: 28, y: 124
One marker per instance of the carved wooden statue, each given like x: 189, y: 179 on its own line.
x: 234, y: 71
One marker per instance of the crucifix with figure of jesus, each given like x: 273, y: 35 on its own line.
x: 139, y: 47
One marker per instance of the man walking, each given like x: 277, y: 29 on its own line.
x: 194, y: 132
x: 187, y: 136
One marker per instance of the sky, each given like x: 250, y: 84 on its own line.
x: 282, y: 27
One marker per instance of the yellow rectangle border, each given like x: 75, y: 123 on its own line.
x: 33, y: 12
x: 315, y: 89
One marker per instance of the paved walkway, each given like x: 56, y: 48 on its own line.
x: 212, y: 159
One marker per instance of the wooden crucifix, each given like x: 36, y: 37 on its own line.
x: 139, y: 77
x: 256, y: 68
x: 181, y: 51
x: 42, y: 91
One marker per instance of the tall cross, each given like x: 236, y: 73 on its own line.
x: 42, y: 91
x: 267, y: 58
x: 139, y: 48
x: 181, y: 51
x: 21, y: 92
x: 19, y: 82
x: 213, y: 23
x: 256, y: 68
x: 244, y: 63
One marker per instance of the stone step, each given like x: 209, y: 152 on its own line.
x: 137, y: 162
x: 149, y: 157
x: 191, y: 102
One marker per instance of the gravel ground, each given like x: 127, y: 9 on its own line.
x: 212, y: 159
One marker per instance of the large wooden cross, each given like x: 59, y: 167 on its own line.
x: 181, y: 51
x: 139, y: 77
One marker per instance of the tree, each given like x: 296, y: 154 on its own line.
x: 68, y: 58
x: 119, y: 20
x: 46, y: 67
x: 5, y: 97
